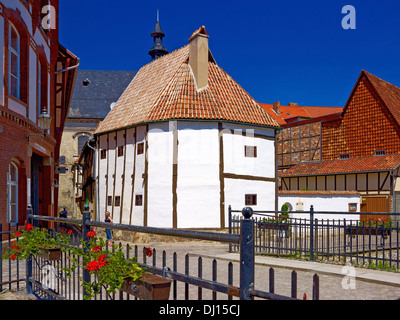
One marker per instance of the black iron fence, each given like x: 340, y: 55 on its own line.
x: 47, y: 280
x: 326, y: 236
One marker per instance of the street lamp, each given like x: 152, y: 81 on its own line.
x: 44, y: 122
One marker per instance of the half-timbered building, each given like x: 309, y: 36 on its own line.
x: 183, y: 142
x: 358, y: 149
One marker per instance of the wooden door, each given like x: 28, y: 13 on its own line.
x: 373, y: 204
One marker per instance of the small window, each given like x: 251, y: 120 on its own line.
x: 250, y: 200
x: 14, y: 62
x: 120, y: 151
x: 140, y: 148
x: 250, y: 151
x: 103, y: 154
x: 117, y: 201
x: 138, y: 200
x: 109, y: 200
x: 81, y: 142
x: 344, y: 156
x: 380, y: 152
x: 12, y: 194
x: 352, y: 206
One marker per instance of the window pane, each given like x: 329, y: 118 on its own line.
x: 14, y: 64
x: 13, y: 173
x: 14, y: 86
x: 14, y: 40
x: 13, y: 194
x: 13, y: 213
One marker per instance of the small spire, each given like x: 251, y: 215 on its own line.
x: 158, y: 48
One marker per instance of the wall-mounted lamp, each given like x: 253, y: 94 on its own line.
x: 55, y: 183
x: 44, y: 122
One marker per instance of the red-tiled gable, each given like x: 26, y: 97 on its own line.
x: 389, y: 93
x: 287, y: 112
x: 367, y: 164
x: 165, y: 90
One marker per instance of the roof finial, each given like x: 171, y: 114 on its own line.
x: 158, y: 15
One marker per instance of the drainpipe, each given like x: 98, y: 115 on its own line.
x: 393, y: 190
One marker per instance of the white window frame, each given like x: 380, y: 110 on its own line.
x: 17, y: 53
x: 10, y: 184
x: 39, y: 88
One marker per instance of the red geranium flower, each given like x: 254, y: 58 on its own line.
x: 70, y: 232
x: 18, y: 234
x: 91, y: 234
x: 29, y: 227
x: 149, y: 252
x: 96, y: 249
x: 13, y: 257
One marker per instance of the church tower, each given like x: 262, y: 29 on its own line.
x: 158, y: 50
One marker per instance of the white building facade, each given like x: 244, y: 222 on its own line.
x: 171, y: 154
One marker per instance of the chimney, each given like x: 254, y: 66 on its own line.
x: 198, y: 57
x: 293, y: 104
x: 277, y: 107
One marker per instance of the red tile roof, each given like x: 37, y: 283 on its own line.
x: 367, y: 164
x: 287, y: 112
x: 165, y: 90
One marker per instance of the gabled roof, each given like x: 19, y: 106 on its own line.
x: 366, y: 164
x: 165, y: 90
x: 289, y: 112
x: 92, y: 99
x: 387, y: 92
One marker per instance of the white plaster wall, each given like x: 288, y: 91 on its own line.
x: 337, y: 203
x: 198, y: 175
x: 236, y: 189
x: 119, y: 170
x: 234, y: 157
x: 102, y: 171
x: 32, y: 85
x: 138, y: 212
x: 129, y: 162
x: 111, y: 170
x: 160, y: 157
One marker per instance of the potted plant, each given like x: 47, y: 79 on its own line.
x: 37, y: 242
x: 110, y: 269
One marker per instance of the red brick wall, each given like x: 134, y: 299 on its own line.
x: 366, y: 126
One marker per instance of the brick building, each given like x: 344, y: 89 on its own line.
x: 359, y: 147
x: 37, y: 81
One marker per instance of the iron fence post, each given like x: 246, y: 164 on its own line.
x: 312, y: 233
x: 29, y: 267
x: 246, y: 254
x: 85, y: 230
x: 230, y: 225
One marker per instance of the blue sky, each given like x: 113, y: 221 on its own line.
x: 287, y: 51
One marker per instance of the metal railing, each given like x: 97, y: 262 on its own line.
x: 363, y: 243
x: 63, y: 288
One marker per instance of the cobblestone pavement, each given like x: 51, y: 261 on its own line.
x: 331, y: 287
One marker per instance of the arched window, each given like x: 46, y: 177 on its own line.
x: 12, y: 194
x: 14, y: 59
x: 81, y: 142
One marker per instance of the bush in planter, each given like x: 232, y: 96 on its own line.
x: 109, y: 268
x: 33, y: 241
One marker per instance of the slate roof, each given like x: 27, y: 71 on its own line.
x: 365, y: 164
x: 93, y: 101
x: 165, y: 90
